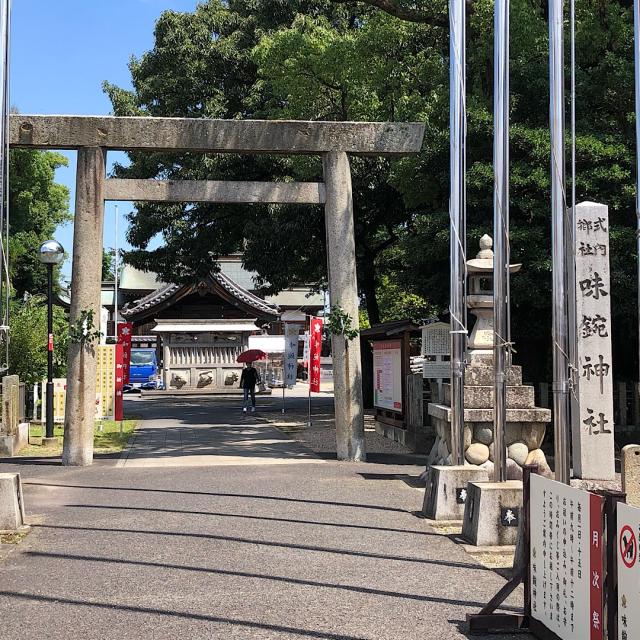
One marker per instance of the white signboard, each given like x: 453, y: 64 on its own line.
x: 268, y: 344
x: 628, y: 572
x: 436, y: 370
x: 290, y: 353
x: 387, y: 374
x: 593, y: 432
x: 305, y: 352
x: 567, y: 557
x: 436, y: 339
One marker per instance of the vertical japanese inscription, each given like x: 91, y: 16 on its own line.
x: 593, y: 431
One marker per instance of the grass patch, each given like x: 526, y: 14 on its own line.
x: 107, y: 438
x: 13, y: 538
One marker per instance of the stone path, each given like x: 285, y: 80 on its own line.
x: 187, y: 437
x: 250, y: 550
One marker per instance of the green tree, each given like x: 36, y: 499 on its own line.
x: 28, y: 340
x: 340, y: 60
x: 37, y: 206
x: 108, y: 264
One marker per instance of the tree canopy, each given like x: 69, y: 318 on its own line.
x: 37, y: 206
x: 352, y: 61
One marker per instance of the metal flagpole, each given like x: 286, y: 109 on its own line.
x: 570, y: 239
x: 457, y: 215
x: 116, y: 266
x: 501, y: 230
x: 5, y: 18
x: 636, y: 49
x: 559, y: 332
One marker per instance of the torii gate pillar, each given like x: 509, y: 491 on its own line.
x: 343, y: 291
x: 85, y: 295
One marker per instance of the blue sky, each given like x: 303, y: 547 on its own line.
x: 62, y: 50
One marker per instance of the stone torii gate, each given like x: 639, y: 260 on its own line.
x: 93, y: 136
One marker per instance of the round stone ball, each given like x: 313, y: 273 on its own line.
x: 489, y: 466
x: 537, y: 457
x: 518, y: 452
x: 514, y: 470
x: 483, y: 433
x: 477, y: 453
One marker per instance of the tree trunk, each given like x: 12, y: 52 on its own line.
x: 368, y: 288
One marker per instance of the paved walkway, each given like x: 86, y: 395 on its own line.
x: 250, y: 550
x: 185, y: 436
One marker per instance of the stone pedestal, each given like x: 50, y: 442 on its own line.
x: 492, y: 513
x: 631, y: 473
x: 11, y: 444
x: 11, y: 504
x: 526, y: 423
x: 446, y: 492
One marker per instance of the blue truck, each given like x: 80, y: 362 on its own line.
x: 144, y: 372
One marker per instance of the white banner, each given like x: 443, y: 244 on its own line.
x: 291, y: 353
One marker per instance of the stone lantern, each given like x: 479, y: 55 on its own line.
x: 449, y: 487
x: 480, y: 297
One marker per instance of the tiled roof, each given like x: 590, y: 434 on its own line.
x: 167, y: 291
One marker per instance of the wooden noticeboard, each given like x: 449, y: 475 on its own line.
x: 387, y: 375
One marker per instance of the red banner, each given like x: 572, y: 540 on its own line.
x: 125, y: 329
x: 315, y: 350
x: 118, y: 409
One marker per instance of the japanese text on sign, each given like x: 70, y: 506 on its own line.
x: 567, y: 558
x: 290, y: 353
x: 387, y: 374
x: 315, y: 351
x: 593, y: 441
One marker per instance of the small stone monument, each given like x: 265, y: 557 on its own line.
x: 13, y: 435
x: 631, y: 473
x: 12, y: 516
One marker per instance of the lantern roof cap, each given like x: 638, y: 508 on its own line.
x: 483, y: 262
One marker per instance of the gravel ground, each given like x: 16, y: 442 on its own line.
x: 321, y: 436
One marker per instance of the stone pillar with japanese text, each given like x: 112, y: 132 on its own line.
x: 593, y: 437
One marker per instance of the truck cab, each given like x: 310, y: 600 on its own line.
x: 144, y: 372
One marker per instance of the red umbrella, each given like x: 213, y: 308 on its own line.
x: 251, y: 355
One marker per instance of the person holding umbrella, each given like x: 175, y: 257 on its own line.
x: 250, y: 376
x: 248, y: 381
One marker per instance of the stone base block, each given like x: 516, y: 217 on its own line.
x: 492, y: 513
x: 11, y: 503
x: 446, y: 491
x: 10, y: 445
x: 51, y: 442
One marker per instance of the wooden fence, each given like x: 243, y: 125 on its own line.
x: 626, y: 403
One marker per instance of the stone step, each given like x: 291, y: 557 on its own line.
x: 535, y: 414
x: 481, y: 397
x: 482, y: 376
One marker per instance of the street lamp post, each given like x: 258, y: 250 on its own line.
x: 51, y: 254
